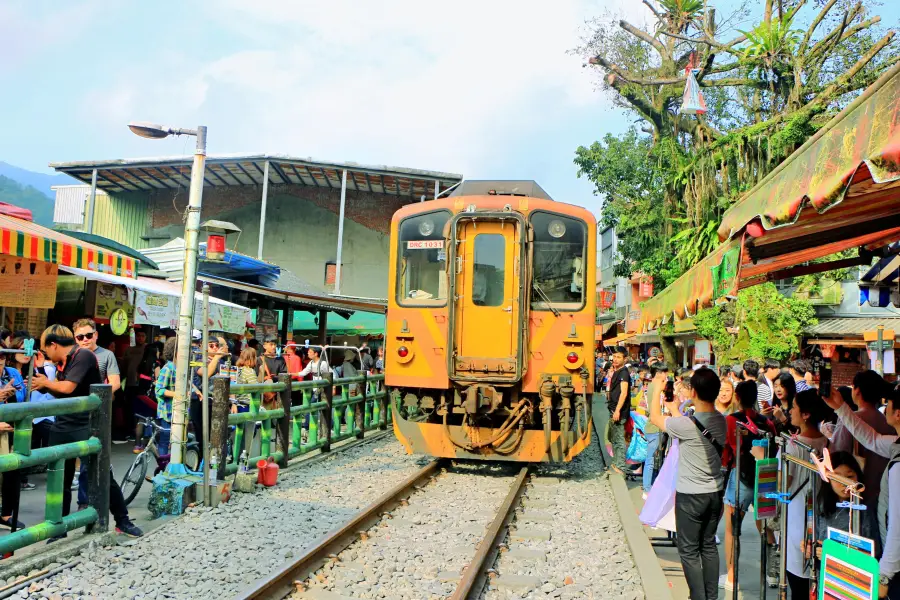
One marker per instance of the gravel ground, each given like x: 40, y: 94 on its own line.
x: 420, y: 552
x: 213, y: 553
x: 567, y: 539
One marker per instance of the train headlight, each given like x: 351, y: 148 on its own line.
x: 556, y: 229
x: 426, y: 227
x: 572, y: 358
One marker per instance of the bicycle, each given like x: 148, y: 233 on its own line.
x: 134, y: 478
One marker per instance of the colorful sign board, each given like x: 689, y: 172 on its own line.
x: 162, y: 311
x: 766, y: 483
x: 847, y: 574
x: 27, y: 283
x: 863, y: 544
x: 108, y: 298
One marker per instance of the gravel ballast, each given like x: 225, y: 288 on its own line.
x: 214, y: 553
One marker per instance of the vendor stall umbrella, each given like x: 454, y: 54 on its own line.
x: 188, y: 284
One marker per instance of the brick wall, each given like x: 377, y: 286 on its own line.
x: 372, y: 211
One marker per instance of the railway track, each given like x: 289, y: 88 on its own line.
x: 300, y: 578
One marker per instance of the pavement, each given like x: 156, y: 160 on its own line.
x: 31, y: 503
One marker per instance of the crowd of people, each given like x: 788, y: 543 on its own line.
x: 702, y: 410
x: 68, y: 361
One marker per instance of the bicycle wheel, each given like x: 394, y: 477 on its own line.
x: 134, y: 477
x: 192, y: 458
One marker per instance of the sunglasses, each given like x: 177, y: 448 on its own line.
x: 85, y: 336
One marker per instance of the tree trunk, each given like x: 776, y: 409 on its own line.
x: 669, y: 352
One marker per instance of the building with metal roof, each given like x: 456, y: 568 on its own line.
x: 327, y: 222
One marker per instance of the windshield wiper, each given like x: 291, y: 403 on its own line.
x: 546, y: 298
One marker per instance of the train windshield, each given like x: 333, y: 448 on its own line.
x: 421, y: 275
x: 559, y: 251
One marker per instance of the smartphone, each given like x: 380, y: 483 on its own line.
x: 825, y: 379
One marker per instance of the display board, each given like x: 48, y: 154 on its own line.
x: 162, y: 311
x: 847, y: 574
x: 103, y: 299
x: 863, y: 544
x: 766, y: 483
x: 27, y: 283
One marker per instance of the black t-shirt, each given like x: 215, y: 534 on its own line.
x: 197, y: 380
x: 276, y: 365
x: 615, y: 390
x: 83, y: 369
x: 368, y: 363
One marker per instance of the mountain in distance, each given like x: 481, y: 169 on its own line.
x: 26, y: 196
x: 40, y: 181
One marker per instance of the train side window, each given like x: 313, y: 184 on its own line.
x: 421, y: 272
x: 559, y: 251
x: 489, y: 270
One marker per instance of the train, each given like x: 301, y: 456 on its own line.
x: 490, y: 324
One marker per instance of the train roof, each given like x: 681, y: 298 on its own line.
x: 502, y: 187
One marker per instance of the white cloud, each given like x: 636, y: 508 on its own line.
x: 418, y: 84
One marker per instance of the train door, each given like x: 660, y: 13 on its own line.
x: 487, y: 309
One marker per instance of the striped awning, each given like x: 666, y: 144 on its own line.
x: 28, y: 240
x: 880, y: 286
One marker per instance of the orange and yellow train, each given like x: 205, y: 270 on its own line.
x: 490, y: 322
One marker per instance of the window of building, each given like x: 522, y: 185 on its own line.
x: 421, y: 271
x: 558, y: 257
x: 489, y: 269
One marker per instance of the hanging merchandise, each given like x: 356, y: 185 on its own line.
x: 692, y: 103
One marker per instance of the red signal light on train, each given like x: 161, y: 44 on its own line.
x: 402, y: 351
x: 572, y: 357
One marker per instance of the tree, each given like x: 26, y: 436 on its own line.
x: 760, y: 323
x: 769, y: 88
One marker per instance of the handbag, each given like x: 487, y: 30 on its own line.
x: 269, y: 399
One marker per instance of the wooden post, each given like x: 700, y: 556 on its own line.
x: 284, y: 423
x: 218, y: 423
x: 360, y: 414
x: 98, y: 464
x: 323, y: 327
x: 328, y: 392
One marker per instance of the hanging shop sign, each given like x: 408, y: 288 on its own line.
x: 103, y: 299
x: 645, y: 288
x: 27, y: 283
x: 847, y: 574
x: 32, y: 320
x: 162, y: 310
x: 266, y: 323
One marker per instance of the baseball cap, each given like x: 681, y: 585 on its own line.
x: 271, y: 339
x: 196, y: 335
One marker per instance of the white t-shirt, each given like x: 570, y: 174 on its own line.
x: 797, y: 508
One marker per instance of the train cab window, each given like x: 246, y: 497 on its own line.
x: 488, y: 267
x: 421, y: 275
x: 559, y: 251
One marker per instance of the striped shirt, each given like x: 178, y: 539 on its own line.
x: 165, y: 382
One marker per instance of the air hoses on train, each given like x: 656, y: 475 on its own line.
x: 516, y: 416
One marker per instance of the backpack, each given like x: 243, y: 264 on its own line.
x: 757, y: 429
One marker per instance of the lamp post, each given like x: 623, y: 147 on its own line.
x: 189, y: 282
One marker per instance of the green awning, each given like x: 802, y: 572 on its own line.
x: 359, y: 323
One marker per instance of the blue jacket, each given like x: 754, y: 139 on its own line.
x: 13, y: 375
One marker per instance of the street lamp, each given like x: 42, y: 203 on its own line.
x: 189, y: 282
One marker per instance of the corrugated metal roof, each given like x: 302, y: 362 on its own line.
x: 230, y: 170
x: 854, y: 326
x: 70, y: 202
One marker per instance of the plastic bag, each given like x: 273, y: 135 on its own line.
x: 637, y: 449
x: 661, y: 499
x: 692, y: 103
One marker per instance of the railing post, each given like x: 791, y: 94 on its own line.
x: 98, y: 464
x: 328, y: 392
x: 367, y: 410
x: 384, y: 405
x: 218, y: 423
x: 284, y: 423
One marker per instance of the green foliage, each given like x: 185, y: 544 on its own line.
x: 41, y: 206
x: 761, y: 323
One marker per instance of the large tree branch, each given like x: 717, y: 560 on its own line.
x: 839, y: 31
x: 833, y: 88
x: 599, y: 60
x: 812, y: 27
x: 848, y: 33
x: 643, y: 35
x: 652, y: 8
x: 709, y: 42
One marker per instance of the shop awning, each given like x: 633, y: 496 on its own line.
x: 880, y: 285
x: 359, y: 323
x: 150, y: 310
x: 28, y: 240
x: 840, y: 190
x: 838, y: 327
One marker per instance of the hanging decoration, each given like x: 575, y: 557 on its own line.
x: 692, y: 103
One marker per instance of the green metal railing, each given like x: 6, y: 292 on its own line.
x: 331, y: 419
x: 95, y: 449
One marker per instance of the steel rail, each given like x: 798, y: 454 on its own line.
x: 474, y: 576
x: 280, y: 583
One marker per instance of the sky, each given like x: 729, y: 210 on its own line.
x: 488, y: 88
